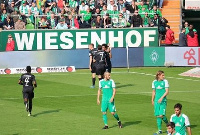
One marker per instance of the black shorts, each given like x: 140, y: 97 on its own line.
x: 28, y: 93
x: 100, y: 69
x: 93, y: 68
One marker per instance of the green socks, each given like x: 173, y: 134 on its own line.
x: 165, y: 119
x: 105, y: 119
x: 159, y: 122
x: 116, y: 116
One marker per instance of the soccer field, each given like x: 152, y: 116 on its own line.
x: 64, y: 103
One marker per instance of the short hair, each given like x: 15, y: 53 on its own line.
x: 178, y: 105
x: 99, y: 47
x: 171, y: 124
x: 28, y: 69
x: 92, y: 44
x: 159, y: 73
x: 183, y: 29
x: 168, y: 26
x: 105, y: 45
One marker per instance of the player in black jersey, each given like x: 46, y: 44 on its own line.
x: 92, y: 52
x: 100, y: 62
x: 107, y: 50
x: 29, y: 83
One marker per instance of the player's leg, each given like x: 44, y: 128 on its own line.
x: 25, y: 97
x: 158, y: 118
x: 102, y: 69
x: 109, y: 68
x: 98, y: 71
x: 163, y: 111
x: 30, y: 106
x: 104, y: 108
x: 112, y: 109
x: 31, y: 96
x: 93, y: 76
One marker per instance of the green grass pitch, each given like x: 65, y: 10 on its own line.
x: 65, y: 105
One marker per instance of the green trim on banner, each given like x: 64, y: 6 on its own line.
x: 154, y: 56
x: 78, y: 39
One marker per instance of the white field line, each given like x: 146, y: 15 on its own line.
x: 179, y: 78
x: 149, y: 92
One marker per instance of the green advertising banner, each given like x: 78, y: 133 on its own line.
x: 154, y: 56
x: 77, y: 39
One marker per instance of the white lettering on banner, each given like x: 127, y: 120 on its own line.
x: 66, y: 40
x: 24, y: 41
x: 80, y: 39
x: 118, y: 39
x: 138, y: 38
x: 95, y: 38
x: 49, y: 40
x: 147, y: 37
x: 39, y: 41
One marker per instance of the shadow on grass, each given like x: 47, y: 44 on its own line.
x: 126, y: 85
x: 46, y: 112
x: 15, y: 134
x: 193, y: 126
x: 126, y: 124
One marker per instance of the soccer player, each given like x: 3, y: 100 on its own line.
x: 171, y: 129
x: 181, y: 120
x: 92, y: 51
x: 107, y: 86
x: 29, y: 83
x: 107, y: 50
x: 100, y: 62
x: 160, y: 88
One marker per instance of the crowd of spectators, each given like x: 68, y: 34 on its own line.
x: 75, y: 14
x: 188, y: 36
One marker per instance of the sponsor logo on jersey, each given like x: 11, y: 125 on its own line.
x: 159, y: 87
x: 178, y: 125
x: 106, y: 86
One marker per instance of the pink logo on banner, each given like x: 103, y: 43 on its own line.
x: 7, y: 71
x: 39, y: 69
x: 189, y: 55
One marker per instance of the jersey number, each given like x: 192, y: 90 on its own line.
x: 101, y: 57
x: 26, y: 81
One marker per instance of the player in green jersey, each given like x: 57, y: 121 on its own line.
x: 160, y: 88
x: 171, y: 129
x: 107, y: 86
x: 181, y: 120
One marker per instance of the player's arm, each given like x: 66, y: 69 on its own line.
x: 110, y: 53
x: 98, y: 96
x: 153, y: 93
x: 164, y: 95
x: 153, y: 96
x: 113, y: 96
x: 34, y: 82
x: 187, y: 124
x: 90, y: 63
x: 20, y: 81
x: 166, y: 91
x: 189, y: 131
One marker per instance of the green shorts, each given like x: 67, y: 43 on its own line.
x: 160, y: 108
x: 105, y: 105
